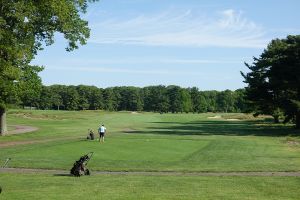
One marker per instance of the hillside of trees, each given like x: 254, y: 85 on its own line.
x: 160, y: 98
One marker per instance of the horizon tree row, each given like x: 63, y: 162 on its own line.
x: 159, y: 98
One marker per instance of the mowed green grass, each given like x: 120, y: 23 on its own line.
x: 152, y: 142
x: 51, y: 187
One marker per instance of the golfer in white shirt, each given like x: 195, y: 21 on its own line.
x: 101, y: 132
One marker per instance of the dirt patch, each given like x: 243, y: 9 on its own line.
x: 18, y: 129
x: 149, y: 173
x: 134, y: 113
x: 293, y: 143
x: 29, y: 115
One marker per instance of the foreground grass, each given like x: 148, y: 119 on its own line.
x: 153, y: 142
x: 150, y: 142
x: 41, y: 186
x: 133, y: 153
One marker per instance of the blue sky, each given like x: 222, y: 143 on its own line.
x: 202, y: 43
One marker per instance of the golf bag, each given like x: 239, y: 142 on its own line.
x: 80, y: 166
x: 91, y: 135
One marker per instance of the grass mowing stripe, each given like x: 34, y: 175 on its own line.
x: 36, y: 186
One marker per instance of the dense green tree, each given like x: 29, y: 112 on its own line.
x: 70, y: 98
x: 225, y: 101
x: 203, y: 105
x: 175, y: 97
x: 195, y: 99
x: 29, y: 86
x: 110, y: 99
x: 84, y: 94
x: 274, y: 80
x: 45, y: 100
x: 162, y: 100
x: 135, y: 101
x: 156, y: 99
x: 211, y: 100
x: 25, y: 25
x: 130, y: 99
x: 240, y: 101
x: 261, y: 98
x: 56, y: 96
x: 146, y: 91
x: 186, y: 101
x: 95, y: 99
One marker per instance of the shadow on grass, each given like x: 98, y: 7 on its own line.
x: 233, y: 128
x: 70, y: 175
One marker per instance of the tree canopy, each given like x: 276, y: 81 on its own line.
x: 274, y: 80
x: 28, y: 25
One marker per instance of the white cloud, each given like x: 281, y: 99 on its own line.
x: 110, y: 70
x: 201, y: 61
x: 228, y: 29
x: 129, y: 71
x: 125, y: 61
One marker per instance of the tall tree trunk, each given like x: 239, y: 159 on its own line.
x: 3, y: 127
x: 298, y: 120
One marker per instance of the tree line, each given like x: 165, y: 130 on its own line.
x: 159, y: 98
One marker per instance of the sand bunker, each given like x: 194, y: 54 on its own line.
x: 215, y: 117
x: 233, y: 120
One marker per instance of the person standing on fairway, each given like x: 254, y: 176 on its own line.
x: 101, y: 132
